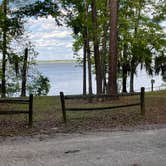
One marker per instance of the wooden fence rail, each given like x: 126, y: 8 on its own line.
x: 64, y: 109
x: 98, y: 96
x: 29, y: 102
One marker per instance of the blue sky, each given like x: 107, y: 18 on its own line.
x: 51, y: 41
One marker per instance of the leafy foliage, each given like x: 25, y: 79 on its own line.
x: 40, y: 86
x: 40, y: 9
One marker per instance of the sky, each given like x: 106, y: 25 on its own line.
x: 52, y: 42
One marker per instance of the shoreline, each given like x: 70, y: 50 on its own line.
x: 55, y: 61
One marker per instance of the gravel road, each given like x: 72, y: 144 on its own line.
x: 136, y: 148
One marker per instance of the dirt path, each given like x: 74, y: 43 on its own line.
x: 137, y: 148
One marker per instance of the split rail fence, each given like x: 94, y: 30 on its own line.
x: 28, y: 102
x: 63, y: 98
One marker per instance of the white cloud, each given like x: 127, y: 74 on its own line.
x: 43, y: 22
x: 51, y: 41
x: 56, y: 34
x: 69, y: 45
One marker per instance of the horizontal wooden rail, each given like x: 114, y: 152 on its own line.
x: 102, y: 108
x: 14, y: 101
x: 130, y: 94
x: 13, y: 112
x: 28, y: 101
x: 64, y: 109
x: 99, y: 96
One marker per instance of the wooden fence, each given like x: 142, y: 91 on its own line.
x: 29, y: 102
x: 64, y: 109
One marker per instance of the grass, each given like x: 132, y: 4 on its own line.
x: 48, y: 116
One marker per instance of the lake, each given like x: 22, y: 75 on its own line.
x: 67, y: 77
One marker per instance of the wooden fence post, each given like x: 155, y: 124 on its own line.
x: 30, y: 110
x: 142, y: 100
x: 63, y: 106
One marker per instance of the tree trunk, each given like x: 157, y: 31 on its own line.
x: 84, y: 67
x: 4, y: 51
x: 135, y: 61
x: 112, y: 82
x: 131, y: 82
x: 88, y: 52
x: 89, y: 69
x: 24, y: 74
x: 104, y: 49
x: 124, y: 81
x: 96, y: 49
x: 103, y: 59
x: 124, y: 69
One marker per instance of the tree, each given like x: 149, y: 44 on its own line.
x: 104, y: 44
x: 88, y: 19
x: 24, y: 73
x: 40, y: 9
x: 84, y: 67
x: 137, y: 42
x: 140, y: 37
x: 160, y: 63
x: 40, y: 86
x: 112, y: 82
x: 96, y: 48
x: 11, y: 27
x: 146, y: 37
x: 79, y: 20
x: 4, y: 48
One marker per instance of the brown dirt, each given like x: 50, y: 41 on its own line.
x: 50, y: 121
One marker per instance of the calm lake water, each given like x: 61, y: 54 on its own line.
x: 67, y: 77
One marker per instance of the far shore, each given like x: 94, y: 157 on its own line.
x: 56, y: 61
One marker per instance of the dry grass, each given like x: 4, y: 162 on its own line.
x: 47, y: 115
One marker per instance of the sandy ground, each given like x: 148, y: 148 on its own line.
x: 136, y: 148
